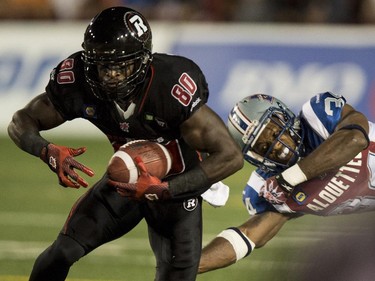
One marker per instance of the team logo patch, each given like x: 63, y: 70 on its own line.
x: 190, y: 204
x: 52, y: 162
x: 262, y: 97
x: 137, y: 26
x: 160, y: 122
x: 149, y: 117
x: 89, y: 111
x: 124, y: 126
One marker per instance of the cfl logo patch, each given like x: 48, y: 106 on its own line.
x: 300, y: 197
x: 190, y: 204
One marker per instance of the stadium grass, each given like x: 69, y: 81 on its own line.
x: 33, y: 208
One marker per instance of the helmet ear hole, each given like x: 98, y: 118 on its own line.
x: 248, y: 119
x: 114, y: 36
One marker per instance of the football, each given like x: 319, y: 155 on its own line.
x: 121, y: 166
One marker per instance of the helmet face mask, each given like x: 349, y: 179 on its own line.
x: 118, y: 39
x: 267, y: 132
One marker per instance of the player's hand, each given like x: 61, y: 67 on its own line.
x: 276, y: 190
x: 147, y: 186
x: 61, y: 160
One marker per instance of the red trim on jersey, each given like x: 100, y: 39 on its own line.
x: 148, y: 88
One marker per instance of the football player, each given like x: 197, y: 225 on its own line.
x: 320, y: 162
x: 129, y: 93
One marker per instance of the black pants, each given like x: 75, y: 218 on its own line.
x: 101, y: 215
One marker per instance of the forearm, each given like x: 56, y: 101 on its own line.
x: 206, y: 132
x: 334, y: 153
x: 191, y: 183
x: 24, y: 129
x: 223, y: 163
x: 211, y: 170
x: 33, y: 143
x: 25, y: 134
x: 235, y: 243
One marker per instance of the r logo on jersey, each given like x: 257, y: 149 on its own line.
x: 190, y: 204
x: 137, y: 26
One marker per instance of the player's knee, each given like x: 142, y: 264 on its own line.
x: 179, y: 268
x: 242, y: 245
x: 186, y: 260
x: 65, y: 251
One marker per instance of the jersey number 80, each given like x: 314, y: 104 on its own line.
x: 185, y: 90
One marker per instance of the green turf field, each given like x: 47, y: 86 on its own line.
x: 33, y: 207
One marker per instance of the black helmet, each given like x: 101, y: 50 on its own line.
x: 117, y: 36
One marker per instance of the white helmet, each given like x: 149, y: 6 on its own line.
x: 250, y: 116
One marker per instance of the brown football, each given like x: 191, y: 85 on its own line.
x: 121, y: 166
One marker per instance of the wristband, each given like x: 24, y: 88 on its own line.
x: 242, y: 245
x: 44, y: 153
x: 294, y: 175
x: 189, y: 184
x: 33, y: 143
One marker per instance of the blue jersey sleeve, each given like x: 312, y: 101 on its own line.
x: 323, y: 113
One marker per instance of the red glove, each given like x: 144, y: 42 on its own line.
x: 276, y: 190
x: 147, y: 186
x: 60, y: 160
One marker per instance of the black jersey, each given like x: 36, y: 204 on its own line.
x: 174, y: 89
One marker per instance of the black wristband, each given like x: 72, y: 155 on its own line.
x: 189, y: 184
x: 285, y: 186
x: 32, y: 143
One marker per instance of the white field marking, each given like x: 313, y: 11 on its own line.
x: 32, y: 219
x: 16, y: 250
x: 134, y: 250
x: 123, y: 247
x: 25, y: 250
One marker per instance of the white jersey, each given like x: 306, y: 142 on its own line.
x: 348, y: 190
